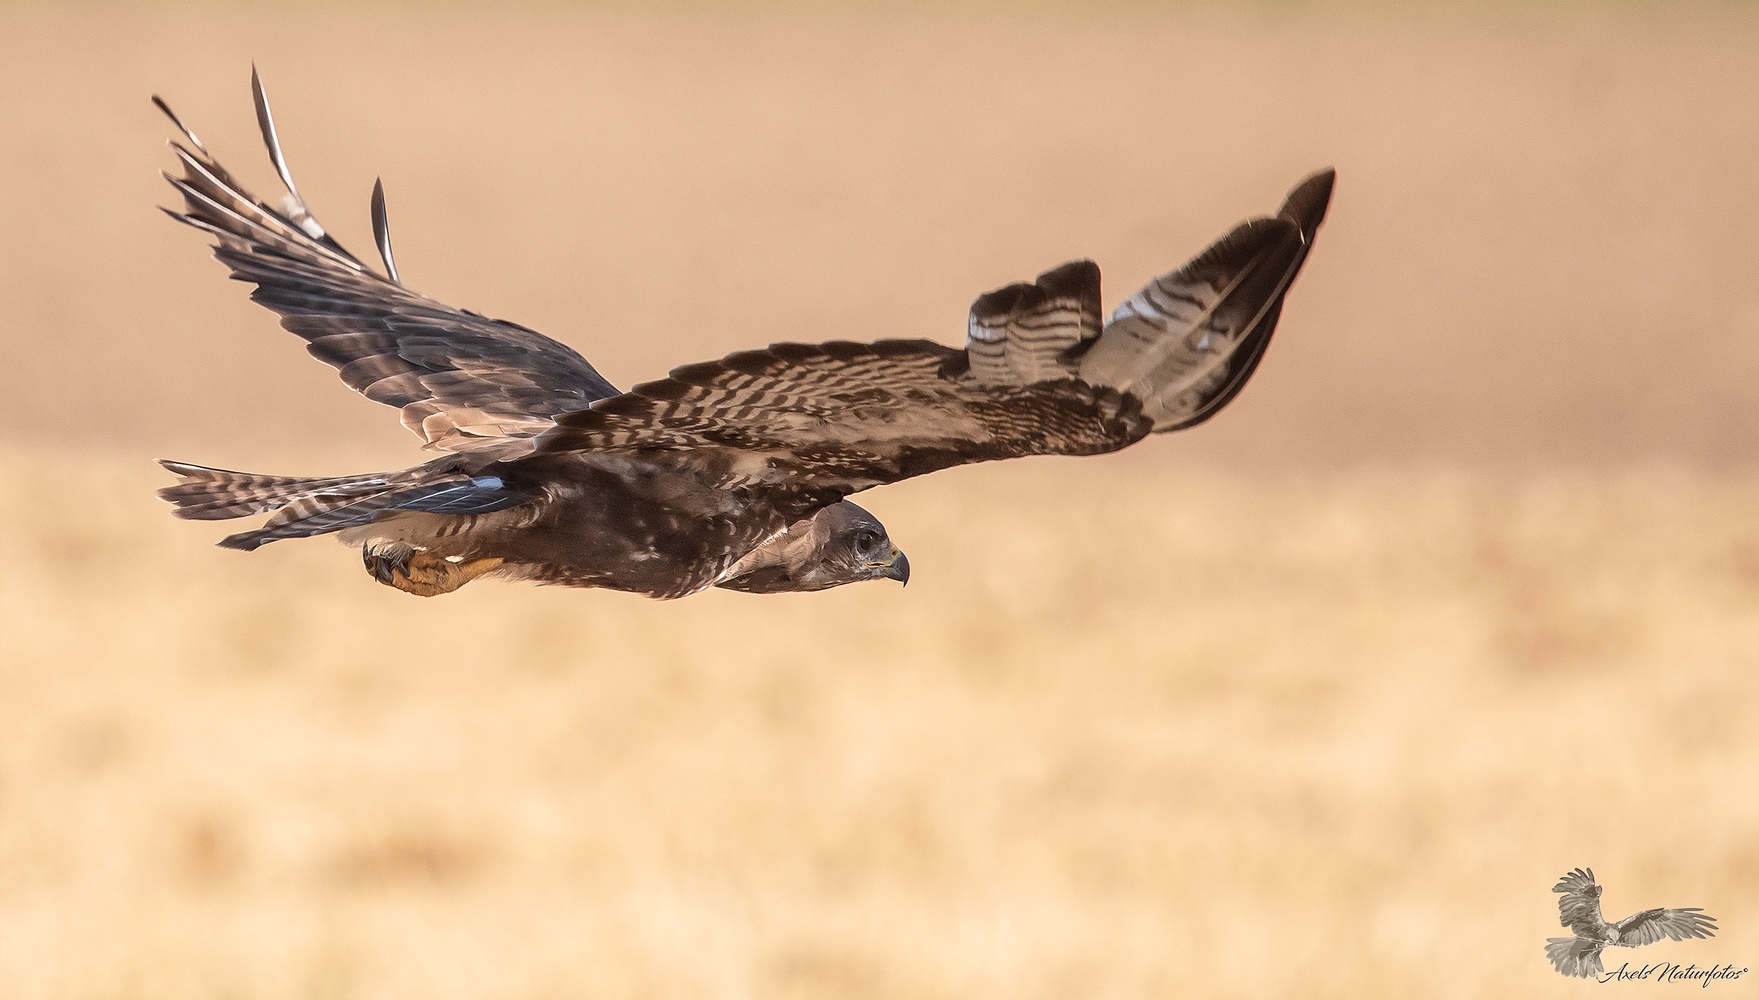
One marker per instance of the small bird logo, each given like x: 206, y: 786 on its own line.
x: 1579, y: 910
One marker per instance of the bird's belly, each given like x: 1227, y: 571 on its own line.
x: 658, y: 548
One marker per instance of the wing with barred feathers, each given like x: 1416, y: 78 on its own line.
x: 1578, y: 905
x: 841, y: 417
x: 1039, y: 376
x: 465, y: 383
x: 1188, y: 341
x: 1651, y: 926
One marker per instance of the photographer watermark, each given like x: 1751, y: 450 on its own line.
x: 1579, y: 910
x: 1672, y: 972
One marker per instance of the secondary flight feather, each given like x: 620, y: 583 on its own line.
x: 731, y: 473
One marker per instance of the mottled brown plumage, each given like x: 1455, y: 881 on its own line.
x: 731, y: 472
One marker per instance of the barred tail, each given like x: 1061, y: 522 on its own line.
x: 206, y: 494
x: 314, y: 506
x: 1574, y: 956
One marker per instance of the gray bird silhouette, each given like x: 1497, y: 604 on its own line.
x: 1579, y: 910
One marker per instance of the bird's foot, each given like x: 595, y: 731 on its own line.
x: 424, y: 574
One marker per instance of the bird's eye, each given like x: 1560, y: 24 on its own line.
x: 865, y: 539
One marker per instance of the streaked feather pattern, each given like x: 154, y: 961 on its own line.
x: 556, y: 477
x: 1188, y: 341
x: 1027, y: 333
x: 843, y: 417
x: 205, y: 494
x: 465, y: 383
x: 1679, y: 924
x: 313, y: 506
x: 1578, y: 904
x: 1037, y: 375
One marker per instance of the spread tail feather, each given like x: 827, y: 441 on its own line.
x: 205, y: 494
x: 318, y: 505
x: 1575, y: 956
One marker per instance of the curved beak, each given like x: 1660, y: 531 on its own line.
x: 896, y: 567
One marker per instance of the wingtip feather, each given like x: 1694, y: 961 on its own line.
x: 159, y: 102
x: 1306, y: 202
x: 382, y: 230
x: 266, y: 124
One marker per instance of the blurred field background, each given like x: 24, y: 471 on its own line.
x: 1315, y: 700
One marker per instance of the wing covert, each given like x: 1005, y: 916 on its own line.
x: 844, y: 416
x: 1037, y: 376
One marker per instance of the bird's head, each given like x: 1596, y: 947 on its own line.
x: 840, y: 544
x: 856, y: 547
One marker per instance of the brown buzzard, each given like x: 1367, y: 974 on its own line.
x: 730, y: 473
x: 1579, y: 910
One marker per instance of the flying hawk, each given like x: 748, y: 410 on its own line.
x: 730, y: 473
x: 1579, y: 910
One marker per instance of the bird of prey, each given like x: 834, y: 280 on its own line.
x: 1579, y: 910
x: 732, y: 473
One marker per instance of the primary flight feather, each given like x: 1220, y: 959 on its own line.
x: 730, y: 473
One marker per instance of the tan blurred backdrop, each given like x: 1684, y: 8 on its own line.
x: 1317, y: 699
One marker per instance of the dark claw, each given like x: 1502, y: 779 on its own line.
x: 385, y: 563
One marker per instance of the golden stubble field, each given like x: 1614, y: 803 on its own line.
x: 1316, y: 700
x: 1195, y: 735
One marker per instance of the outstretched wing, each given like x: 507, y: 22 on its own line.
x: 1651, y: 926
x: 465, y: 383
x: 1039, y: 376
x: 1579, y: 907
x: 1188, y: 341
x: 1574, y: 956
